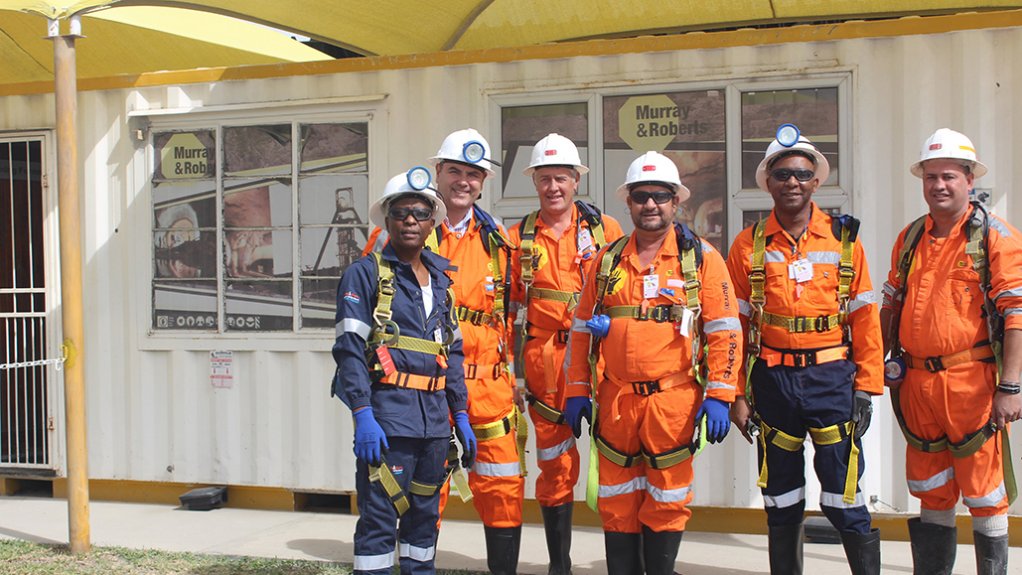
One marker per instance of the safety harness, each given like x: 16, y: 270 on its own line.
x: 385, y: 335
x: 845, y: 228
x: 528, y: 259
x: 690, y: 255
x: 977, y: 230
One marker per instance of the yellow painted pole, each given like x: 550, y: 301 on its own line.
x: 66, y: 92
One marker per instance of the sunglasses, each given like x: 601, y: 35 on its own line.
x: 400, y: 214
x: 659, y: 196
x: 782, y: 174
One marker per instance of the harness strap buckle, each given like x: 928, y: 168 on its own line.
x: 934, y: 364
x: 822, y: 324
x: 646, y: 388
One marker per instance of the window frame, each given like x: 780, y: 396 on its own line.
x: 738, y: 200
x: 369, y: 112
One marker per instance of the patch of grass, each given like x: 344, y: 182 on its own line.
x: 24, y: 558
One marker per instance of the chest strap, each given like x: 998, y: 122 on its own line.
x: 472, y: 316
x: 568, y: 297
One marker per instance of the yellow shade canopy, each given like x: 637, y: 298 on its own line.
x: 135, y: 36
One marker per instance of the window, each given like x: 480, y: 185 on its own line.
x: 248, y: 220
x: 715, y: 133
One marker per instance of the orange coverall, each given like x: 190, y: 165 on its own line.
x: 496, y: 479
x: 645, y: 351
x: 559, y: 266
x: 942, y: 314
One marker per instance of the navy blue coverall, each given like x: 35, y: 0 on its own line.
x: 416, y: 422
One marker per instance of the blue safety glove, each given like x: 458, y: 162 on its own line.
x: 717, y: 421
x: 368, y: 437
x: 467, y: 438
x: 599, y: 325
x: 575, y: 410
x: 862, y: 412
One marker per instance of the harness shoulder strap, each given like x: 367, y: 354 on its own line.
x: 528, y: 241
x: 846, y: 229
x: 690, y: 252
x: 592, y: 215
x: 384, y: 290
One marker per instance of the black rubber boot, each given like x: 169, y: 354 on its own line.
x: 624, y: 553
x: 502, y: 544
x: 557, y: 522
x: 785, y: 543
x: 933, y: 547
x: 991, y: 554
x: 660, y: 550
x: 863, y: 552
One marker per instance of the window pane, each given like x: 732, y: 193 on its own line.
x: 319, y: 300
x: 813, y: 110
x: 333, y: 223
x: 335, y: 148
x: 184, y: 155
x: 184, y: 305
x: 257, y: 254
x: 258, y: 306
x: 522, y: 126
x: 687, y: 127
x: 257, y: 223
x: 257, y: 150
x: 184, y: 230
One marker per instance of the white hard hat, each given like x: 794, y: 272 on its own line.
x: 555, y: 150
x: 467, y: 147
x: 653, y: 168
x: 951, y: 145
x: 802, y: 143
x: 410, y: 183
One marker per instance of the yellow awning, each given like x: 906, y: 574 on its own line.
x: 120, y: 36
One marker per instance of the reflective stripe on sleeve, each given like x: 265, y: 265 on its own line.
x: 930, y: 483
x: 1015, y: 292
x: 862, y: 300
x: 579, y: 326
x: 352, y: 325
x: 718, y: 385
x: 722, y: 324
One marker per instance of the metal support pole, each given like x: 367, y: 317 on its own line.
x: 66, y: 88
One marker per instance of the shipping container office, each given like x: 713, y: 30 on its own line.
x: 218, y: 215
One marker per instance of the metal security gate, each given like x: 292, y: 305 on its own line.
x: 25, y: 415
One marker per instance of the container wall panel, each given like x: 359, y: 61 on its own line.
x: 153, y: 413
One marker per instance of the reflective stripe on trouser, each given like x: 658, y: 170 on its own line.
x: 793, y: 399
x: 954, y: 403
x: 375, y: 534
x: 556, y: 453
x: 631, y: 497
x: 497, y: 483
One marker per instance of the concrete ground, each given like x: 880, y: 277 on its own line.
x: 328, y: 536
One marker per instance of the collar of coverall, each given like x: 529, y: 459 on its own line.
x: 435, y: 263
x: 540, y: 224
x: 957, y: 229
x: 819, y: 223
x: 668, y: 250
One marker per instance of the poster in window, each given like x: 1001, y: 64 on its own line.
x: 184, y: 155
x: 523, y: 126
x: 334, y: 148
x: 688, y: 128
x: 257, y: 150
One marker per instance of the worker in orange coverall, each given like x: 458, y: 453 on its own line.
x: 477, y: 246
x: 649, y: 302
x: 953, y: 297
x: 556, y: 243
x: 814, y: 354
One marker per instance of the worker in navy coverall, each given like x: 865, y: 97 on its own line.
x: 401, y: 403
